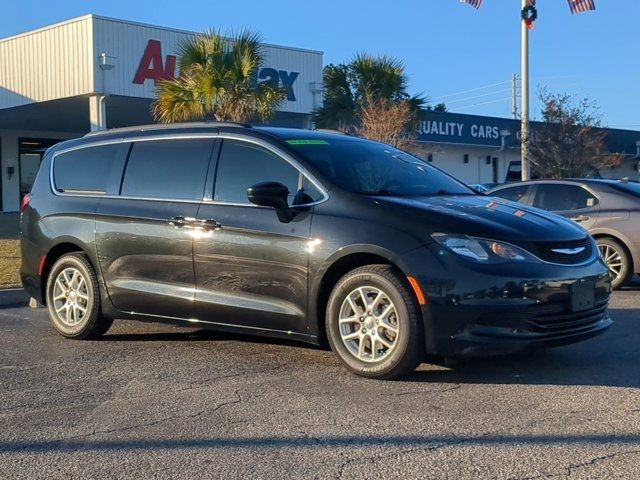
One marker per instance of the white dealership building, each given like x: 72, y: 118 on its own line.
x: 92, y: 72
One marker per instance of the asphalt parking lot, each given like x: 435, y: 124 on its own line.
x: 154, y: 401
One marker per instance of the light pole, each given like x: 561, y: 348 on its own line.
x: 524, y: 95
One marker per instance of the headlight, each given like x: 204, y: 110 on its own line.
x: 482, y: 250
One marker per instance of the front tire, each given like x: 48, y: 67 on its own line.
x: 618, y: 261
x: 374, y: 324
x: 73, y: 298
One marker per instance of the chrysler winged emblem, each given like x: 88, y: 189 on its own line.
x: 568, y: 251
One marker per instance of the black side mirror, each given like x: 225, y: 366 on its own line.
x: 272, y: 194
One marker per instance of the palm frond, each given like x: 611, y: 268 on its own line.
x: 217, y: 77
x: 178, y: 100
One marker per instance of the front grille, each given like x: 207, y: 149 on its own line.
x: 550, y: 318
x: 545, y: 251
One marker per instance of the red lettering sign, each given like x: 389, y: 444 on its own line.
x: 151, y: 64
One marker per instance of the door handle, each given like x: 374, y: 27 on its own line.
x: 209, y: 224
x: 580, y: 218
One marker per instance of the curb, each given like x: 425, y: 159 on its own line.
x: 13, y: 297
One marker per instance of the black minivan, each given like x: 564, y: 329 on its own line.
x: 301, y: 234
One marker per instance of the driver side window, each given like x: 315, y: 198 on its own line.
x: 243, y: 164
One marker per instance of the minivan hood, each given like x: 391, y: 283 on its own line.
x: 487, y: 217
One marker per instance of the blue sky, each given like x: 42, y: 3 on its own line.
x: 447, y: 47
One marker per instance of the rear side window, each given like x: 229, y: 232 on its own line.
x: 243, y: 164
x: 559, y: 197
x: 85, y: 169
x: 515, y: 194
x: 169, y: 169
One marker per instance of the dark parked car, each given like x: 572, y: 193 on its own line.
x: 608, y: 209
x: 303, y: 235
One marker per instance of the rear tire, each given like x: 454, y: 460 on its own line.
x: 73, y: 298
x: 383, y: 339
x: 618, y: 261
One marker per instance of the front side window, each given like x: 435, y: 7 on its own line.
x: 85, y: 169
x: 243, y: 164
x: 171, y: 169
x: 372, y: 168
x: 515, y: 194
x: 559, y: 197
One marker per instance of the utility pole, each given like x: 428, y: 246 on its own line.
x: 524, y: 95
x: 514, y: 96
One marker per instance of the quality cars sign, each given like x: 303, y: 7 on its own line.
x: 467, y: 129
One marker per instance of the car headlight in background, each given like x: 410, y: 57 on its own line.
x: 481, y: 250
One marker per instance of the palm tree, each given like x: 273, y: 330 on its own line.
x: 350, y: 88
x: 217, y: 78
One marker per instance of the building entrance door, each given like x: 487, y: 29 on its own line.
x: 29, y: 165
x: 494, y: 168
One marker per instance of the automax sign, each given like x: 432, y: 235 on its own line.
x: 467, y: 129
x: 141, y: 54
x: 152, y: 66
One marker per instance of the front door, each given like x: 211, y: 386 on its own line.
x: 144, y: 235
x: 251, y: 269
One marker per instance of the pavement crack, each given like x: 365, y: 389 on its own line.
x: 569, y: 469
x: 431, y: 448
x: 421, y: 392
x: 233, y: 401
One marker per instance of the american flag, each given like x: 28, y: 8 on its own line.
x: 579, y: 6
x: 473, y: 3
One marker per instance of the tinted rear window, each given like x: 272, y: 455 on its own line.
x: 171, y: 169
x: 372, y: 168
x: 85, y: 169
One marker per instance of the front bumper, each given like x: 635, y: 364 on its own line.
x: 475, y: 310
x: 483, y: 341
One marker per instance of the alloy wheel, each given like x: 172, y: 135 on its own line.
x: 613, y: 259
x: 70, y: 296
x: 368, y: 324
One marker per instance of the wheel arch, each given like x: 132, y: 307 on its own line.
x: 61, y: 248
x: 334, y: 269
x: 634, y: 257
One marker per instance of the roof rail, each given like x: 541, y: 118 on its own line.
x: 332, y: 130
x: 162, y: 126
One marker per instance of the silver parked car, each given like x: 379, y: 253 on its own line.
x: 608, y: 209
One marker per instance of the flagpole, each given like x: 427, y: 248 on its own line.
x: 524, y: 75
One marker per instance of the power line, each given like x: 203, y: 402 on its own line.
x: 479, y: 96
x: 469, y: 91
x: 483, y: 103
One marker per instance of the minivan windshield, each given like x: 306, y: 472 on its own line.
x: 371, y: 168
